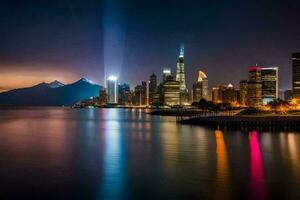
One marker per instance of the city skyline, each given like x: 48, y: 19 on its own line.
x: 159, y: 99
x: 169, y: 72
x: 67, y: 40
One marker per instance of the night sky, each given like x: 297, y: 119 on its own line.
x: 68, y: 39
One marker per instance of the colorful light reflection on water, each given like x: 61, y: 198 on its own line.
x: 257, y: 176
x: 125, y: 154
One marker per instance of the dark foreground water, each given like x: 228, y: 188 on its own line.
x: 126, y: 154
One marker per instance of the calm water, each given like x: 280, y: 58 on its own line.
x: 126, y: 154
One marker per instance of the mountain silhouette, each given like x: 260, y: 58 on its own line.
x: 51, y: 94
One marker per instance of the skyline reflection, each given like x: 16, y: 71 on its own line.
x: 257, y: 175
x: 222, y: 169
x: 112, y: 184
x: 126, y: 154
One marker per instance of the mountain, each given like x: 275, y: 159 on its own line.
x: 51, y: 94
x: 56, y: 84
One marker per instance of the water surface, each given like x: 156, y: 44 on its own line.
x: 61, y: 153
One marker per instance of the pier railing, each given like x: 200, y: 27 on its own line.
x: 185, y: 115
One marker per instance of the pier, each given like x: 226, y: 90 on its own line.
x: 260, y: 122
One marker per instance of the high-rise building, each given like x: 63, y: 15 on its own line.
x: 102, y: 96
x: 158, y: 96
x: 140, y: 94
x: 254, y: 86
x: 229, y: 94
x: 217, y: 96
x: 123, y: 93
x: 243, y: 92
x: 180, y: 77
x: 200, y: 88
x: 224, y: 94
x: 171, y: 92
x: 152, y: 88
x: 288, y: 94
x: 269, y: 78
x: 112, y: 89
x: 180, y: 74
x: 296, y: 75
x: 166, y: 73
x: 281, y: 94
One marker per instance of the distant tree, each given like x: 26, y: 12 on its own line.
x: 203, y: 104
x: 211, y: 106
x: 195, y: 104
x: 278, y: 102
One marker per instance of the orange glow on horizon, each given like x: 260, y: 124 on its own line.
x: 14, y: 80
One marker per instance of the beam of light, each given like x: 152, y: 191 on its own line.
x: 257, y: 176
x: 222, y: 174
x: 114, y: 21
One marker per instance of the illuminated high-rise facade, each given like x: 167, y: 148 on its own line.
x: 200, y: 88
x: 152, y: 88
x: 243, y: 94
x: 180, y: 74
x: 296, y: 75
x: 229, y: 94
x: 269, y: 79
x: 180, y: 77
x: 140, y: 94
x: 112, y: 90
x: 102, y: 96
x: 224, y: 94
x: 254, y: 93
x: 123, y: 94
x: 166, y: 73
x: 171, y: 92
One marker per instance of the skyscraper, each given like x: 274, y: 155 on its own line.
x: 254, y: 93
x: 112, y: 89
x: 200, y: 88
x: 269, y: 78
x: 152, y: 87
x: 180, y: 76
x: 224, y: 94
x: 140, y: 94
x: 171, y: 92
x: 296, y: 75
x: 229, y: 94
x: 166, y: 73
x: 217, y: 94
x: 102, y: 97
x: 123, y: 93
x: 243, y: 92
x: 288, y: 94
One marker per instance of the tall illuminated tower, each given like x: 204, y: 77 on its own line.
x: 180, y: 77
x: 254, y: 93
x: 112, y: 89
x: 296, y: 75
x: 180, y: 74
x: 269, y: 79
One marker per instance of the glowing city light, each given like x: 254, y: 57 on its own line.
x: 112, y: 78
x: 201, y: 76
